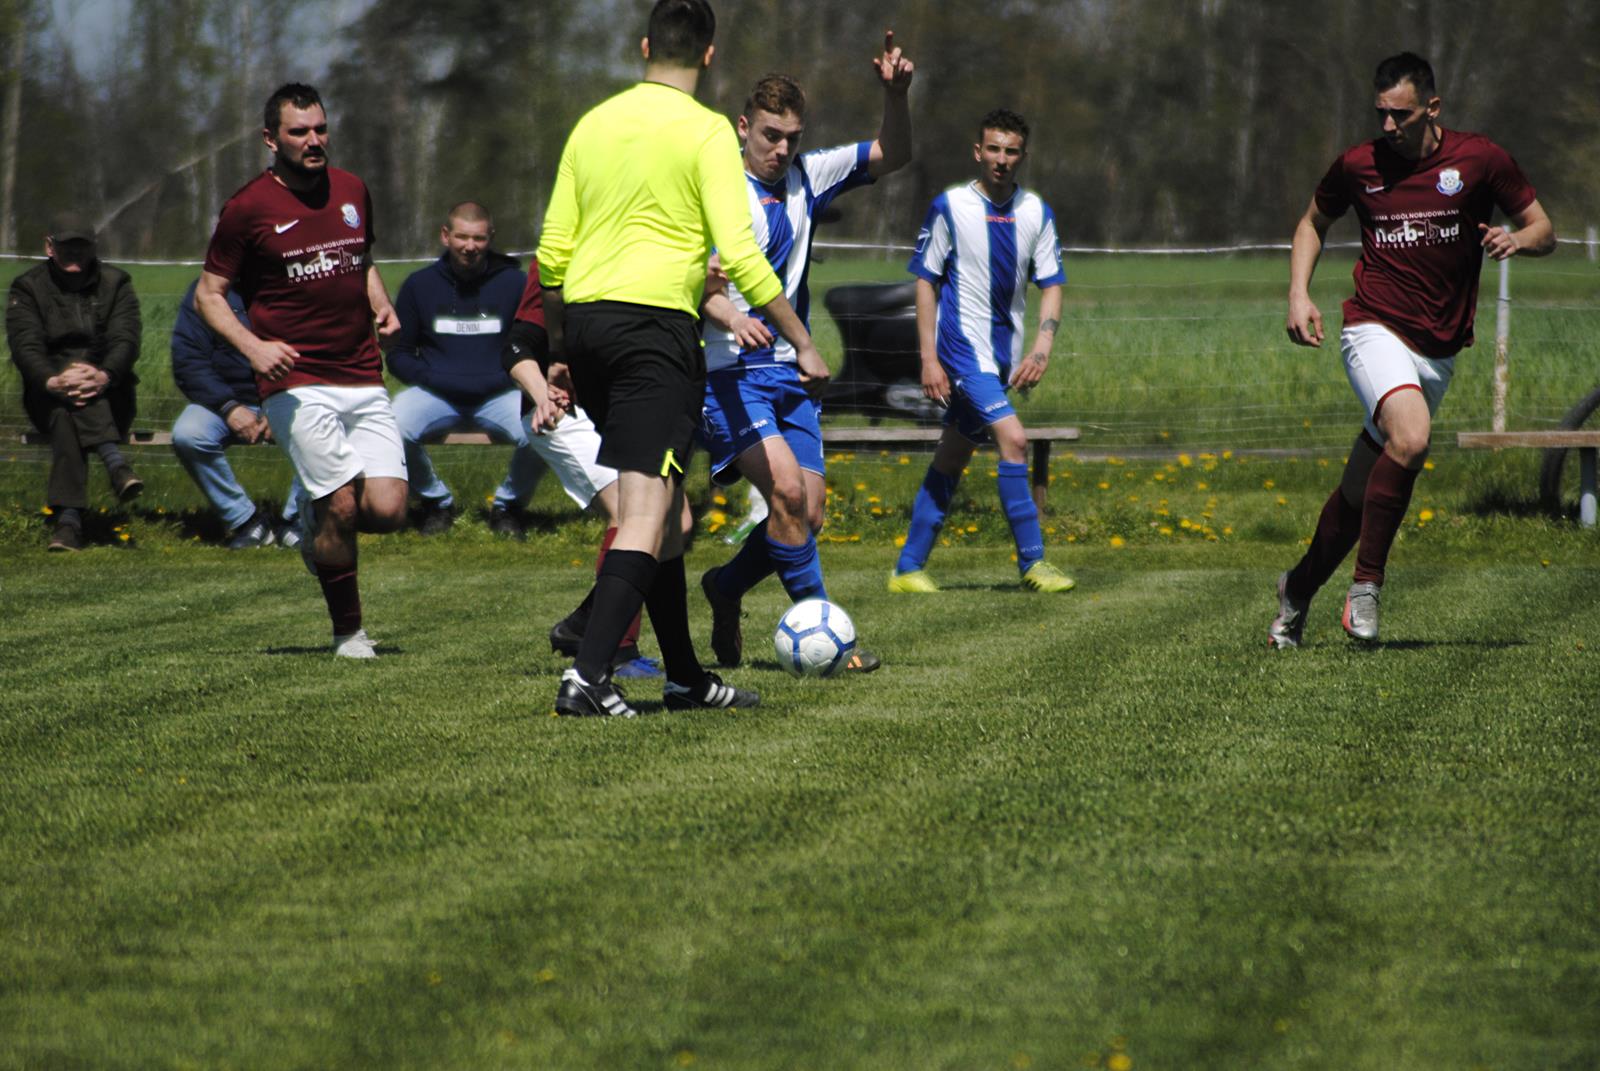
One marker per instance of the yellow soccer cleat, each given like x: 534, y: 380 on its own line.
x: 1042, y: 576
x: 916, y: 582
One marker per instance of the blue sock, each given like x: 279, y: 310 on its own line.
x: 927, y: 517
x: 1016, y: 498
x: 798, y: 567
x: 747, y: 568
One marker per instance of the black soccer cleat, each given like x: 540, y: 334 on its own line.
x: 579, y: 699
x: 564, y: 639
x: 861, y: 660
x: 710, y: 694
x: 727, y: 638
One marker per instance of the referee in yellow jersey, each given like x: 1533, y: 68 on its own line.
x: 650, y: 181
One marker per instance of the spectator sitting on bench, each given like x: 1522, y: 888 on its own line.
x: 224, y: 408
x: 73, y: 327
x: 453, y: 317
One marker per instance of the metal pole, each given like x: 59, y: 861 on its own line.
x: 1592, y: 240
x: 1586, y: 505
x: 1502, y: 342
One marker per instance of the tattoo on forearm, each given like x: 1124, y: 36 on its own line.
x: 1049, y: 326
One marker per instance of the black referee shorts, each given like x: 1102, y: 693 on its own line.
x: 640, y: 374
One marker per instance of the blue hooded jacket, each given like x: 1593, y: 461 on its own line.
x: 208, y: 370
x: 451, y: 329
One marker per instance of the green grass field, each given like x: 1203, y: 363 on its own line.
x: 1101, y: 830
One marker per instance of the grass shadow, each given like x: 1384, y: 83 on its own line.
x: 1499, y: 502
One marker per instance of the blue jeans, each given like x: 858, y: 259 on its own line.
x: 422, y: 415
x: 199, y: 438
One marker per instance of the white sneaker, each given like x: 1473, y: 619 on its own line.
x: 355, y: 645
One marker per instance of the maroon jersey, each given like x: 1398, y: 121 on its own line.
x: 300, y: 262
x: 1421, y: 250
x: 530, y: 309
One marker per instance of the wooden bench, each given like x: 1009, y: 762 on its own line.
x: 882, y: 438
x: 1585, y: 442
x: 143, y: 437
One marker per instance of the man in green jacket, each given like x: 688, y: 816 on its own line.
x: 73, y: 327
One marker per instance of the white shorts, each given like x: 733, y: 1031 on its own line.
x: 335, y: 434
x: 1378, y: 363
x: 570, y: 449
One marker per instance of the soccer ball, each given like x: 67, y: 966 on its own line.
x: 814, y: 638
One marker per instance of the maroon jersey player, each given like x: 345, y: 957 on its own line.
x: 297, y: 243
x: 1424, y: 196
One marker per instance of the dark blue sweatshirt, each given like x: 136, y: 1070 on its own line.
x: 451, y: 329
x: 208, y: 370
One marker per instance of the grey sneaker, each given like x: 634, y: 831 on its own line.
x: 1291, y: 620
x: 1361, y: 612
x: 255, y: 532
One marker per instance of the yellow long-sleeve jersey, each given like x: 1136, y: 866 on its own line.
x: 650, y: 181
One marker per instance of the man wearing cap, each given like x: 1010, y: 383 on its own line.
x: 73, y: 327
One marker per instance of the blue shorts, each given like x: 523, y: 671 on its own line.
x: 977, y: 400
x: 746, y: 405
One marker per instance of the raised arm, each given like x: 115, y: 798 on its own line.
x: 1304, y: 321
x: 892, y: 149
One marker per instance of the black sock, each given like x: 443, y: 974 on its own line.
x: 668, y: 604
x: 578, y: 619
x: 109, y: 454
x: 71, y: 516
x: 619, y: 591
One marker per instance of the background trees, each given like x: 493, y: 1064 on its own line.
x: 1155, y: 121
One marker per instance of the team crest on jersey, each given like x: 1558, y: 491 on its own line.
x: 1449, y: 182
x: 351, y: 217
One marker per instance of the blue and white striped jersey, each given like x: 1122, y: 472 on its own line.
x: 980, y: 256
x: 784, y: 215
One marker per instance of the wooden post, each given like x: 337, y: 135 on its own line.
x: 1502, y: 343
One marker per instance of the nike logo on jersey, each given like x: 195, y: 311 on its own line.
x: 281, y: 227
x: 1376, y: 189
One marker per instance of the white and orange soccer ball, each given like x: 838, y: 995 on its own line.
x: 814, y: 638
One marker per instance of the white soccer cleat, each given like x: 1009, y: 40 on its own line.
x: 1361, y: 612
x: 1287, y: 627
x: 356, y: 645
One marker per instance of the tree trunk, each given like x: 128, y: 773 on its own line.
x: 12, y: 126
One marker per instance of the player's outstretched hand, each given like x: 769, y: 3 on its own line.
x: 894, y: 70
x: 935, y: 384
x: 1304, y: 322
x: 814, y: 374
x: 1498, y: 242
x: 271, y: 359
